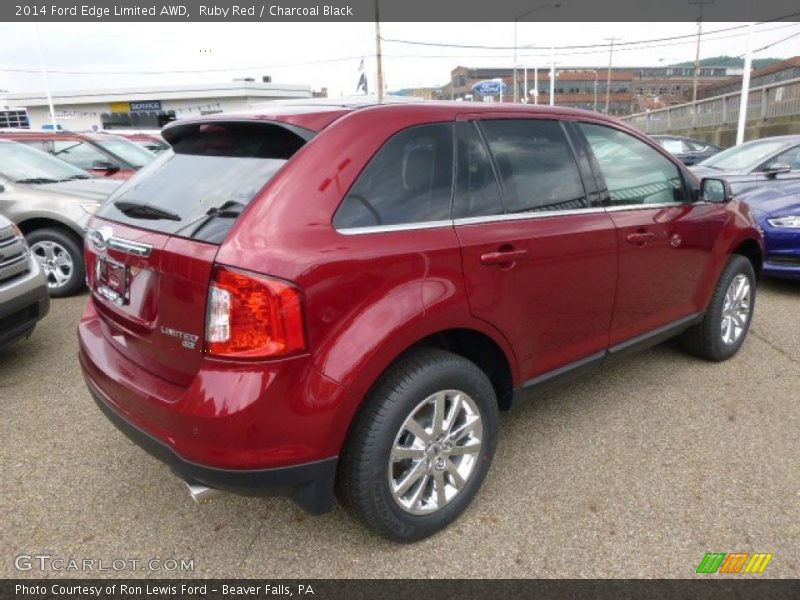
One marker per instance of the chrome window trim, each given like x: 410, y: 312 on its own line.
x: 509, y: 217
x: 644, y: 206
x: 398, y: 227
x: 539, y: 214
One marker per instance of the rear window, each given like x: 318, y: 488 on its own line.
x: 197, y: 188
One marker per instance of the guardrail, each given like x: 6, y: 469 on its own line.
x: 780, y: 99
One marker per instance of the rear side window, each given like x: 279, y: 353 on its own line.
x: 536, y: 165
x: 634, y: 172
x: 197, y: 188
x: 409, y: 180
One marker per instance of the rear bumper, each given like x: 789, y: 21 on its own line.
x: 23, y: 302
x: 310, y: 484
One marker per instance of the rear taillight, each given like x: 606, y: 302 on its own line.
x: 253, y: 316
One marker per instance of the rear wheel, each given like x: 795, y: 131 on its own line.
x: 61, y: 259
x: 727, y: 320
x: 420, y: 448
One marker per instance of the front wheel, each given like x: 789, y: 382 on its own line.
x: 727, y: 320
x: 421, y: 446
x: 61, y: 259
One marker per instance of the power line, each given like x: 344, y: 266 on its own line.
x: 582, y: 46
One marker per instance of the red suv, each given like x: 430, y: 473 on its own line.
x: 339, y: 299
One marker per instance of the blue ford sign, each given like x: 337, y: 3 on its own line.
x: 489, y: 88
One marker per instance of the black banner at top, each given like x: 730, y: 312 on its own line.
x: 397, y: 10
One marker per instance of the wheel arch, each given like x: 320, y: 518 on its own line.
x: 33, y: 223
x: 752, y: 251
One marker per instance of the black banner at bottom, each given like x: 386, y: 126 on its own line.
x: 399, y: 589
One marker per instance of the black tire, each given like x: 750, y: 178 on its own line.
x: 362, y: 483
x: 72, y: 246
x: 705, y: 339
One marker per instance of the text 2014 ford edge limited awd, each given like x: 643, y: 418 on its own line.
x: 333, y: 299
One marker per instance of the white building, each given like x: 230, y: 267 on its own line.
x: 141, y: 106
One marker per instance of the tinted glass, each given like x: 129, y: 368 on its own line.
x: 79, y: 153
x: 21, y: 163
x: 790, y: 157
x: 634, y: 172
x: 745, y: 157
x: 672, y: 145
x: 478, y: 193
x: 131, y: 153
x: 409, y: 180
x: 536, y: 165
x: 204, y: 181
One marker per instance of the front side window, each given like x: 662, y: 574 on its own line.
x: 133, y: 154
x: 790, y: 157
x: 634, y: 172
x: 78, y: 153
x: 536, y: 165
x: 409, y: 180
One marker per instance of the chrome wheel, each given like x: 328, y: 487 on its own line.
x: 55, y: 261
x: 435, y: 452
x: 736, y: 309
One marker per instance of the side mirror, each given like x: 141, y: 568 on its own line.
x: 715, y: 190
x: 103, y: 165
x: 776, y: 168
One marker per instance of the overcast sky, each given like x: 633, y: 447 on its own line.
x: 325, y: 54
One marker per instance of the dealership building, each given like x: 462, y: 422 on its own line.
x: 147, y: 107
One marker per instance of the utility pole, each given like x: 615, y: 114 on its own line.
x: 699, y: 3
x: 43, y: 64
x: 378, y: 52
x: 608, y: 74
x: 748, y: 63
x: 552, y: 76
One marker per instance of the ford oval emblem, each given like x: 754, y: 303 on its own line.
x: 100, y: 237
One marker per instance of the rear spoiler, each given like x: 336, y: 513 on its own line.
x: 177, y: 130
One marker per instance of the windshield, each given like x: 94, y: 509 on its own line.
x: 198, y: 188
x: 131, y: 153
x: 744, y: 157
x: 21, y: 163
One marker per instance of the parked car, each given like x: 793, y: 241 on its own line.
x: 51, y: 202
x: 777, y: 210
x: 764, y: 162
x: 687, y: 150
x: 335, y: 299
x: 149, y: 139
x: 100, y: 154
x: 23, y: 290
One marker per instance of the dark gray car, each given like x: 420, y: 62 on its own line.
x: 687, y: 150
x: 767, y: 161
x: 23, y: 290
x: 51, y: 201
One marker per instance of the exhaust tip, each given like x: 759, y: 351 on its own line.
x: 201, y: 494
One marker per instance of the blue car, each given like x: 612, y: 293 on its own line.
x: 777, y: 210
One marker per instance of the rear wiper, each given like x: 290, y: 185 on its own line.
x: 145, y: 211
x: 230, y: 209
x: 37, y: 180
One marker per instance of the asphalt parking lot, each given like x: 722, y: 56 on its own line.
x: 636, y: 471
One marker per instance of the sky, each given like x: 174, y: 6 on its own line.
x: 114, y: 55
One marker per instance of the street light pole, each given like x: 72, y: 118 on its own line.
x: 516, y: 23
x: 748, y: 63
x: 608, y: 74
x: 43, y: 64
x: 379, y: 58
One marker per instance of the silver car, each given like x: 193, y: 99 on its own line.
x: 51, y: 202
x: 23, y: 290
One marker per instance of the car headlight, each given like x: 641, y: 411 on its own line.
x: 90, y: 207
x: 788, y: 222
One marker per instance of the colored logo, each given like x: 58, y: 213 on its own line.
x: 734, y: 562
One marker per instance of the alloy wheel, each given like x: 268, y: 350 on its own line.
x: 435, y: 452
x: 55, y: 261
x: 736, y: 309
